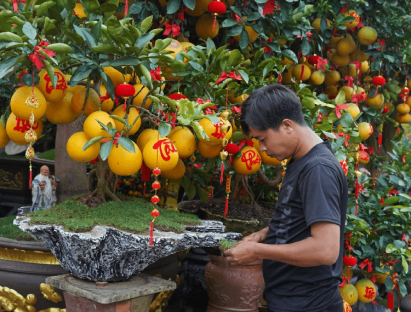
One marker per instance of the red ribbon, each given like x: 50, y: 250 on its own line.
x: 15, y: 4
x: 237, y: 110
x: 156, y: 74
x: 341, y: 135
x: 359, y: 97
x: 321, y: 64
x: 366, y: 263
x: 349, y: 80
x: 403, y: 158
x: 36, y: 58
x: 403, y: 238
x: 357, y: 64
x: 338, y: 108
x: 222, y: 172
x: 343, y: 282
x: 175, y: 29
x: 224, y: 76
x: 347, y: 245
x: 181, y: 15
x: 269, y: 7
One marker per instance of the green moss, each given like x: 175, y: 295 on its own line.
x: 133, y: 215
x: 8, y: 230
x: 226, y: 244
x: 4, y: 155
x: 50, y: 154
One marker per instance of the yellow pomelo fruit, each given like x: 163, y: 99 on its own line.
x: 331, y: 90
x: 298, y: 69
x: 75, y: 145
x: 174, y: 47
x: 16, y: 129
x: 346, y: 307
x: 361, y: 55
x: 388, y: 104
x: 336, y: 39
x: 93, y: 101
x: 72, y: 89
x: 200, y: 8
x: 376, y: 102
x: 345, y: 46
x: 409, y: 101
x: 287, y: 75
x: 349, y: 70
x: 352, y: 24
x: 142, y: 91
x: 204, y: 27
x: 348, y: 93
x: 182, y: 38
x: 116, y: 77
x: 367, y: 35
x: 4, y: 138
x: 185, y: 45
x: 174, y: 130
x: 214, y: 132
x: 286, y: 61
x: 331, y: 78
x: 269, y: 160
x: 166, y: 151
x: 106, y: 105
x: 209, y: 151
x: 400, y: 118
x: 353, y: 110
x: 349, y: 294
x: 176, y: 173
x: 366, y: 290
x: 381, y: 276
x: 365, y: 130
x: 316, y: 24
x: 402, y: 109
x: 338, y: 60
x: 145, y: 136
x: 93, y: 129
x: 317, y: 77
x: 132, y: 115
x: 163, y: 3
x: 252, y: 34
x: 79, y: 10
x: 340, y: 128
x: 18, y: 103
x: 409, y: 84
x: 330, y: 53
x: 123, y: 162
x: 249, y: 162
x: 46, y: 87
x: 184, y: 141
x: 61, y: 112
x: 365, y: 66
x: 237, y: 100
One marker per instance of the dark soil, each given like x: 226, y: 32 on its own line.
x: 239, y: 211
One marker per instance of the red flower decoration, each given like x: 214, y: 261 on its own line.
x: 176, y: 96
x: 156, y: 74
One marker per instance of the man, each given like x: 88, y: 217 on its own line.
x: 303, y: 247
x: 43, y: 189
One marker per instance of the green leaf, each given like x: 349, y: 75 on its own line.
x: 92, y: 141
x: 114, y: 29
x: 7, y: 66
x: 44, y: 7
x: 125, y: 61
x: 28, y: 80
x: 403, y: 288
x: 172, y: 6
x: 191, y: 4
x: 228, y: 23
x: 143, y: 71
x: 388, y: 283
x: 253, y: 16
x: 346, y: 120
x: 10, y: 37
x: 50, y: 72
x: 390, y: 248
x: 127, y: 144
x: 235, y: 30
x: 405, y: 266
x: 108, y: 7
x: 29, y: 30
x: 105, y: 150
x: 234, y: 58
x: 399, y: 244
x: 405, y: 196
x: 185, y: 182
x: 91, y: 5
x: 244, y: 40
x: 244, y: 75
x: 210, y: 46
x: 196, y: 66
x: 391, y: 200
x: 86, y: 35
x: 164, y: 129
x: 146, y: 24
x: 340, y: 99
x: 105, y: 48
x: 290, y: 55
x: 191, y: 191
x: 144, y: 39
x: 81, y: 73
x: 60, y: 47
x: 118, y: 119
x: 3, y: 120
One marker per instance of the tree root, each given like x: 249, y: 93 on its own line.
x: 241, y: 181
x: 276, y: 181
x: 91, y: 175
x: 106, y: 183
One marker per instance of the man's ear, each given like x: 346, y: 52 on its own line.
x: 288, y: 125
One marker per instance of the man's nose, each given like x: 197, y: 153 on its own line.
x: 262, y: 147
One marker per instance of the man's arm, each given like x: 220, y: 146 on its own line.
x: 257, y: 236
x: 322, y: 248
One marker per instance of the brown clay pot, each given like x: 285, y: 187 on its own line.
x: 233, y: 287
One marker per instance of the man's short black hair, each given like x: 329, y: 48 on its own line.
x: 268, y: 106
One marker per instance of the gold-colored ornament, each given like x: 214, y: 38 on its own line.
x: 223, y: 155
x: 31, y: 119
x: 224, y: 142
x: 225, y: 128
x: 48, y: 293
x: 30, y: 136
x: 225, y: 114
x: 30, y: 153
x: 32, y: 102
x: 357, y: 174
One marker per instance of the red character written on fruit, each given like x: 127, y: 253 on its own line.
x: 60, y: 85
x: 166, y: 147
x: 250, y: 158
x: 218, y: 133
x: 369, y: 292
x: 24, y: 125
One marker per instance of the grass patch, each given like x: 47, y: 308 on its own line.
x: 226, y: 244
x: 4, y: 155
x: 132, y: 216
x: 8, y: 230
x: 50, y: 154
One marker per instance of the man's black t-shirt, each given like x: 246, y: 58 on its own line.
x: 314, y: 189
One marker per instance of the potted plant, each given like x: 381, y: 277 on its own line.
x: 232, y: 287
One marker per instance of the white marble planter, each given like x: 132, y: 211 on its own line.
x: 108, y: 254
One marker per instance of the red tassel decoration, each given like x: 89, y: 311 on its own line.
x: 215, y: 20
x: 31, y: 176
x: 356, y: 210
x: 222, y: 172
x: 125, y: 14
x: 227, y: 190
x: 390, y: 301
x: 151, y: 233
x: 379, y: 142
x: 226, y: 205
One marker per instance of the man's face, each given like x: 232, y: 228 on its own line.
x: 278, y: 144
x: 45, y: 171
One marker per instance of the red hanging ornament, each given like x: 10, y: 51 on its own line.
x: 349, y: 261
x: 313, y: 59
x: 156, y: 185
x: 155, y: 199
x: 125, y: 90
x: 156, y: 171
x: 232, y: 148
x: 378, y: 81
x: 155, y: 213
x: 216, y: 8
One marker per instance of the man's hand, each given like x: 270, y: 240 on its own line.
x: 257, y: 236
x: 42, y: 185
x: 54, y: 183
x: 242, y: 253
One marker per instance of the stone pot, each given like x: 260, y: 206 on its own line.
x: 232, y: 225
x: 233, y: 287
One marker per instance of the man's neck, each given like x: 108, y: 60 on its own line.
x: 307, y: 140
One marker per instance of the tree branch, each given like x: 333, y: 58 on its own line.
x: 266, y: 180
